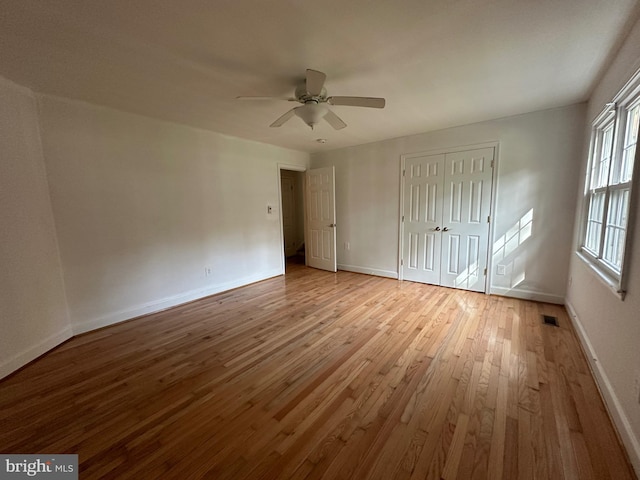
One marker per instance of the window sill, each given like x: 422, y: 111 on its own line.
x: 611, y: 284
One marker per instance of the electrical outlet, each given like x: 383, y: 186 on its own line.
x: 500, y: 270
x: 347, y: 246
x: 207, y: 271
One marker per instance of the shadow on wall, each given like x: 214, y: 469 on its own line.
x: 506, y: 251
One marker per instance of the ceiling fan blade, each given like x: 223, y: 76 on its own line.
x: 280, y: 121
x: 370, y: 102
x: 243, y: 98
x: 315, y: 82
x: 334, y: 120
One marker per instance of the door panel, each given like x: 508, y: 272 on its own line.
x: 453, y: 256
x: 475, y: 202
x: 423, y: 212
x: 465, y: 226
x: 455, y: 202
x: 321, y: 251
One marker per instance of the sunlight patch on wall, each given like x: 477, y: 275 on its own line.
x: 506, y: 248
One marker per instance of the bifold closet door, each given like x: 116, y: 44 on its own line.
x: 447, y: 200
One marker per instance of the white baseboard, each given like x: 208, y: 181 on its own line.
x: 612, y: 403
x: 368, y: 271
x: 20, y: 360
x: 527, y: 295
x: 169, y: 302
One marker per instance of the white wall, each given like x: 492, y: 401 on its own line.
x: 144, y: 206
x: 539, y: 153
x: 33, y: 310
x: 610, y: 327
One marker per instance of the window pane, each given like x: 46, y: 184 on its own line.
x: 616, y: 228
x: 627, y: 164
x: 629, y: 149
x: 600, y: 169
x: 631, y: 135
x: 594, y: 223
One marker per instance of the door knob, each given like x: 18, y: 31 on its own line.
x: 445, y: 229
x: 332, y: 225
x: 437, y: 229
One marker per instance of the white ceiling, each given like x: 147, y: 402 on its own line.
x: 439, y: 63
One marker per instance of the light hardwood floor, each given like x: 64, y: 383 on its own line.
x: 321, y: 375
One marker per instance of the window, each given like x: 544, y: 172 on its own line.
x: 606, y: 231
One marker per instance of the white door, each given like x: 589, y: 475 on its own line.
x: 447, y: 199
x: 422, y: 218
x: 321, y: 219
x: 465, y: 226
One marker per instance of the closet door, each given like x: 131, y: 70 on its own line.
x: 422, y: 238
x: 465, y: 222
x: 445, y: 221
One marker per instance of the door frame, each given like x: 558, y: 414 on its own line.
x: 294, y: 168
x: 494, y: 184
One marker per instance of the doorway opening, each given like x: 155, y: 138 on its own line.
x: 292, y: 218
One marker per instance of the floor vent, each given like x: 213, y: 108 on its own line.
x: 550, y: 320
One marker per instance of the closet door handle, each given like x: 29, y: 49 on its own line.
x: 437, y: 229
x: 445, y: 229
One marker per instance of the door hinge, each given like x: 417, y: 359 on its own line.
x: 403, y: 218
x: 403, y: 172
x: 492, y: 162
x: 401, y: 262
x: 485, y: 272
x: 489, y: 219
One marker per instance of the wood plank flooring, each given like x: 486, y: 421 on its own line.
x: 320, y: 375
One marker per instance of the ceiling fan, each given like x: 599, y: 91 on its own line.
x: 313, y: 97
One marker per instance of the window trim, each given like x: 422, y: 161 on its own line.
x: 616, y: 112
x: 602, y: 122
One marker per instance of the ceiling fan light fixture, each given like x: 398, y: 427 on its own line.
x: 311, y: 113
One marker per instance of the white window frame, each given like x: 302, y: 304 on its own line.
x: 614, y: 115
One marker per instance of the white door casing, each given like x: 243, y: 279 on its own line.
x: 321, y: 219
x: 445, y: 227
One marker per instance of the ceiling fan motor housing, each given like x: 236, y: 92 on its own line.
x: 303, y: 97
